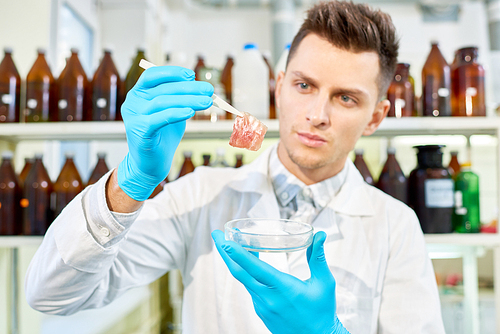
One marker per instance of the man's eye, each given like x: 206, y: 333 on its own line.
x: 303, y: 85
x: 345, y: 98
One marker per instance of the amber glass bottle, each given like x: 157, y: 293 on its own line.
x: 73, y: 91
x: 360, y: 164
x: 454, y: 165
x: 401, y: 93
x: 41, y: 99
x: 392, y: 180
x: 206, y: 159
x: 436, y: 84
x: 431, y: 190
x: 468, y: 84
x: 135, y: 70
x: 272, y: 87
x: 200, y: 63
x: 106, y: 90
x: 187, y: 166
x: 239, y: 161
x: 37, y: 211
x: 10, y: 89
x: 226, y: 80
x: 99, y: 170
x: 10, y: 198
x: 159, y: 188
x: 28, y: 162
x: 67, y: 186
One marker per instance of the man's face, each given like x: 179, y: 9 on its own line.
x: 327, y: 99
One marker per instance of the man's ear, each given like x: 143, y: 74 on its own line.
x: 277, y: 91
x: 378, y: 115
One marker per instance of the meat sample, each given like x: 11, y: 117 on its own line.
x: 248, y: 132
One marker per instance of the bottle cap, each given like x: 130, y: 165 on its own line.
x: 207, y: 156
x: 38, y: 156
x: 239, y: 156
x: 250, y: 46
x: 188, y: 154
x: 69, y: 154
x: 7, y: 49
x: 101, y: 155
x: 220, y: 151
x: 391, y: 150
x: 466, y: 164
x: 7, y: 155
x: 41, y: 51
x: 74, y: 50
x: 454, y: 152
x: 359, y: 151
x: 109, y: 48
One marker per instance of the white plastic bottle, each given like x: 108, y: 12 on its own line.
x: 281, y: 64
x: 251, y: 82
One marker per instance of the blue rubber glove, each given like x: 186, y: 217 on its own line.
x: 286, y: 304
x: 155, y: 113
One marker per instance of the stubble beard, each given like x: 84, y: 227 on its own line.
x: 305, y: 161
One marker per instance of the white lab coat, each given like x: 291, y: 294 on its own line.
x: 375, y: 249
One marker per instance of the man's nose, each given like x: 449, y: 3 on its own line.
x: 318, y: 114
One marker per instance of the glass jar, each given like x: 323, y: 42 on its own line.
x: 401, y: 93
x: 436, y: 84
x: 431, y: 190
x: 392, y: 180
x: 362, y: 167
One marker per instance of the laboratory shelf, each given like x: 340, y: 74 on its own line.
x: 15, y: 132
x: 18, y: 241
x: 488, y: 240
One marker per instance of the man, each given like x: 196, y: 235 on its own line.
x: 110, y: 239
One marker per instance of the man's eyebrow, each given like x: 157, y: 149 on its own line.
x: 351, y: 91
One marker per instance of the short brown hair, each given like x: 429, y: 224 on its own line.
x: 356, y: 28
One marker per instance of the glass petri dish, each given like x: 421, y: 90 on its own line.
x: 269, y: 235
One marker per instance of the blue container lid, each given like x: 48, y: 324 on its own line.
x: 250, y: 46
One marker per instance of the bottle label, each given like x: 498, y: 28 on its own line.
x: 459, y: 204
x: 438, y: 193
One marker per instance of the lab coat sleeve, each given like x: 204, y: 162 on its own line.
x: 86, y: 259
x: 410, y: 299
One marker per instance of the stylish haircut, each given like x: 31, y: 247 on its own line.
x: 355, y: 28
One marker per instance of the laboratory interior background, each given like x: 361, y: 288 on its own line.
x: 218, y: 39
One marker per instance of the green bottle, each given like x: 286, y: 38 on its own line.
x: 466, y: 214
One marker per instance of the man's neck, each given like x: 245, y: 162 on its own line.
x: 309, y: 175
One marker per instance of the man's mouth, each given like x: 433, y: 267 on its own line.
x: 310, y: 139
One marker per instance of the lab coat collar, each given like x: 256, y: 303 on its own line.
x: 352, y: 199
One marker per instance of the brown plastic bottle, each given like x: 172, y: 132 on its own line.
x: 360, y: 164
x: 206, y: 159
x: 73, y: 91
x: 199, y: 65
x: 392, y: 180
x: 10, y: 198
x: 28, y: 163
x: 187, y: 166
x: 272, y: 87
x: 401, y: 93
x: 10, y: 89
x: 431, y: 191
x: 41, y: 99
x: 135, y: 71
x: 37, y: 191
x: 67, y: 186
x: 436, y: 84
x: 99, y: 170
x: 106, y: 86
x: 226, y: 80
x: 454, y: 165
x: 239, y: 161
x: 467, y: 84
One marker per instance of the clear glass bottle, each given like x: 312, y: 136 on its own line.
x: 10, y: 89
x: 401, y: 93
x: 220, y: 160
x: 68, y: 185
x: 362, y: 167
x: 431, y: 190
x: 134, y: 71
x: 10, y: 198
x: 100, y: 169
x: 468, y: 84
x: 227, y: 82
x: 466, y: 217
x: 106, y: 87
x: 36, y: 201
x: 73, y: 91
x: 436, y: 84
x: 41, y: 93
x: 187, y: 166
x: 392, y: 180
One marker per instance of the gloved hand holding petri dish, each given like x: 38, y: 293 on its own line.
x: 269, y: 235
